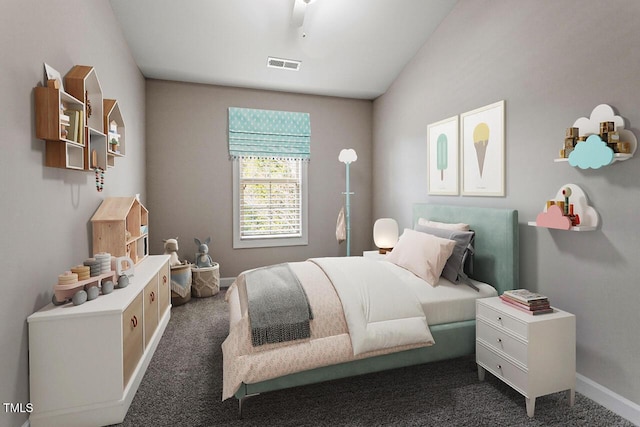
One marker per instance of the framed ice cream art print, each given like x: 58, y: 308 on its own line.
x: 483, y: 151
x: 442, y: 157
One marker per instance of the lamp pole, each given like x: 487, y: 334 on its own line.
x: 348, y: 214
x: 348, y: 156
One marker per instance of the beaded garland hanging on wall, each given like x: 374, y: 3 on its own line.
x: 99, y: 179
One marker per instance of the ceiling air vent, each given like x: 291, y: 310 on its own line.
x: 283, y: 64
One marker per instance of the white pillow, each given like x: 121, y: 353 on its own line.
x: 422, y: 254
x: 459, y: 226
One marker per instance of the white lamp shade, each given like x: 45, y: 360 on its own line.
x: 347, y: 155
x: 385, y: 233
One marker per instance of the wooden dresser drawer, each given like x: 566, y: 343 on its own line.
x: 502, y: 368
x: 164, y: 288
x: 150, y: 309
x: 501, y: 341
x: 502, y: 320
x: 132, y: 338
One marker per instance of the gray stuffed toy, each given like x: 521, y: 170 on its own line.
x: 202, y: 256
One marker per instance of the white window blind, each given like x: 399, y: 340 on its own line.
x: 270, y: 198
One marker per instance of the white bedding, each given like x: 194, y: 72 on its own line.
x: 446, y: 302
x: 377, y: 319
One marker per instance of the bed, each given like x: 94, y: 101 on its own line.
x: 495, y: 262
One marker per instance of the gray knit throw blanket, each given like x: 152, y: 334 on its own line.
x: 278, y: 307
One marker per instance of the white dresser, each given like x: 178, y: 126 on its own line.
x: 536, y: 355
x: 86, y: 361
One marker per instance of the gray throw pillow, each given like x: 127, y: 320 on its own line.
x: 454, y: 268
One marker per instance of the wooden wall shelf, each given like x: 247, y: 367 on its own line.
x: 74, y: 123
x: 115, y: 130
x: 54, y: 108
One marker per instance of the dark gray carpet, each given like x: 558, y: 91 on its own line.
x: 182, y: 387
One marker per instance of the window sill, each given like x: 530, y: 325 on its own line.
x: 269, y: 242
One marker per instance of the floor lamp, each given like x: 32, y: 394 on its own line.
x: 348, y: 156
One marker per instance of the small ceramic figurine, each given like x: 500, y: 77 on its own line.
x: 202, y: 256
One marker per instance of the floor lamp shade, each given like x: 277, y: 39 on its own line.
x: 385, y: 234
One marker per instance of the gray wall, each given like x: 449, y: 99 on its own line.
x: 189, y: 173
x: 45, y: 211
x: 552, y: 62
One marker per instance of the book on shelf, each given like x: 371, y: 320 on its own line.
x: 73, y: 125
x: 525, y: 309
x: 80, y: 125
x: 525, y: 296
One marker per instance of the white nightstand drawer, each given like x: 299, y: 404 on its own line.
x: 500, y: 319
x: 501, y: 341
x: 502, y: 368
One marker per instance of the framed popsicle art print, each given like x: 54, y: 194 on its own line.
x: 483, y: 151
x: 442, y: 155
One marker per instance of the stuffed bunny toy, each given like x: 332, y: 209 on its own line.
x: 202, y: 256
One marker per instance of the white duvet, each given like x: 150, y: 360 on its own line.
x: 380, y: 310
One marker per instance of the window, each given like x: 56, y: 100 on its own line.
x: 270, y: 202
x: 270, y: 152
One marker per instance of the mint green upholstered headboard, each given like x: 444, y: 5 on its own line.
x: 496, y: 259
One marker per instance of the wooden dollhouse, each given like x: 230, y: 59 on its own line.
x: 120, y: 227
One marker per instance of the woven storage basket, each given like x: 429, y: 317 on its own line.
x: 206, y: 281
x: 180, y: 284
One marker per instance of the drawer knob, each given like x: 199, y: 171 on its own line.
x: 500, y: 340
x: 134, y: 322
x: 499, y: 318
x: 152, y: 296
x: 164, y: 278
x: 499, y: 366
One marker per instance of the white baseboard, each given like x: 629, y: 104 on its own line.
x: 225, y: 282
x: 607, y: 398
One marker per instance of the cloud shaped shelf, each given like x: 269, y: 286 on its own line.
x: 595, y: 153
x: 553, y: 217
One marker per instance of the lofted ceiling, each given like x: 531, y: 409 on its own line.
x: 347, y: 48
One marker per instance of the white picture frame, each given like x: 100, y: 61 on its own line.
x: 483, y: 151
x: 443, y: 157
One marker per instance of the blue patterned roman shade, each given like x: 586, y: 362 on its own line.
x: 267, y: 133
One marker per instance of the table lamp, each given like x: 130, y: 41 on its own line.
x: 385, y: 234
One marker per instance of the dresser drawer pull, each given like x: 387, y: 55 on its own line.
x: 499, y: 340
x: 499, y: 366
x: 134, y: 321
x: 164, y: 278
x: 499, y: 318
x: 152, y: 296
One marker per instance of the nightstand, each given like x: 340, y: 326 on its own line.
x: 374, y: 255
x: 534, y: 354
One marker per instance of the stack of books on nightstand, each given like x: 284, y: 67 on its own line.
x: 527, y: 301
